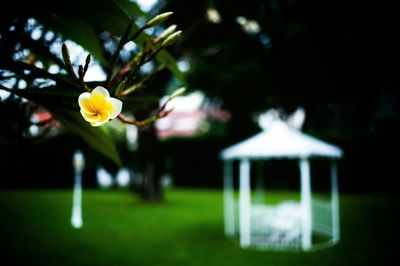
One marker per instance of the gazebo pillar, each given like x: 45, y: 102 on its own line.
x: 335, y: 203
x: 229, y: 201
x: 244, y: 202
x: 78, y: 164
x: 306, y: 211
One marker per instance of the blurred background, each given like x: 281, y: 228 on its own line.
x: 336, y: 59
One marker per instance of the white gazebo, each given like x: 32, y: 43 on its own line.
x: 289, y: 224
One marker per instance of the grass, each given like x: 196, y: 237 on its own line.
x: 185, y: 230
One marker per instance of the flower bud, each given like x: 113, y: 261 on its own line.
x: 65, y: 54
x: 158, y: 20
x: 167, y: 32
x: 177, y: 93
x: 171, y: 39
x: 120, y: 89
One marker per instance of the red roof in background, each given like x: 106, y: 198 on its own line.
x: 185, y: 124
x: 42, y: 115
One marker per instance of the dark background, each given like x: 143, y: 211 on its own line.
x: 337, y: 59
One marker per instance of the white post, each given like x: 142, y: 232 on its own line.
x: 78, y: 163
x: 229, y: 201
x: 259, y: 183
x: 306, y: 211
x: 244, y: 203
x: 335, y: 203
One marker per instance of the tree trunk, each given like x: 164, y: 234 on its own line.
x: 152, y: 164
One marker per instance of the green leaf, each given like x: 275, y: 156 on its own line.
x: 131, y: 9
x: 97, y: 137
x: 76, y: 30
x: 49, y: 96
x: 166, y: 59
x: 53, y: 99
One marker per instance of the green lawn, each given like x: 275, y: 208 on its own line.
x: 185, y: 230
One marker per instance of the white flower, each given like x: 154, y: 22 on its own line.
x: 98, y: 107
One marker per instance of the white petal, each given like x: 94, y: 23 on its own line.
x: 117, y: 107
x: 96, y: 124
x: 82, y: 97
x: 102, y: 91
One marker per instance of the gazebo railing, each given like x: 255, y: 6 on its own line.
x: 278, y: 226
x: 322, y: 217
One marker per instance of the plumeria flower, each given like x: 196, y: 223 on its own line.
x: 98, y: 107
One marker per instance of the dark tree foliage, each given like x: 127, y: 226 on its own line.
x: 337, y: 59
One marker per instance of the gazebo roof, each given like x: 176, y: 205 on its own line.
x: 281, y: 141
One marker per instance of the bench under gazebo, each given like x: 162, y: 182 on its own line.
x: 288, y: 224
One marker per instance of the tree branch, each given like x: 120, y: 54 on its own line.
x: 19, y: 67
